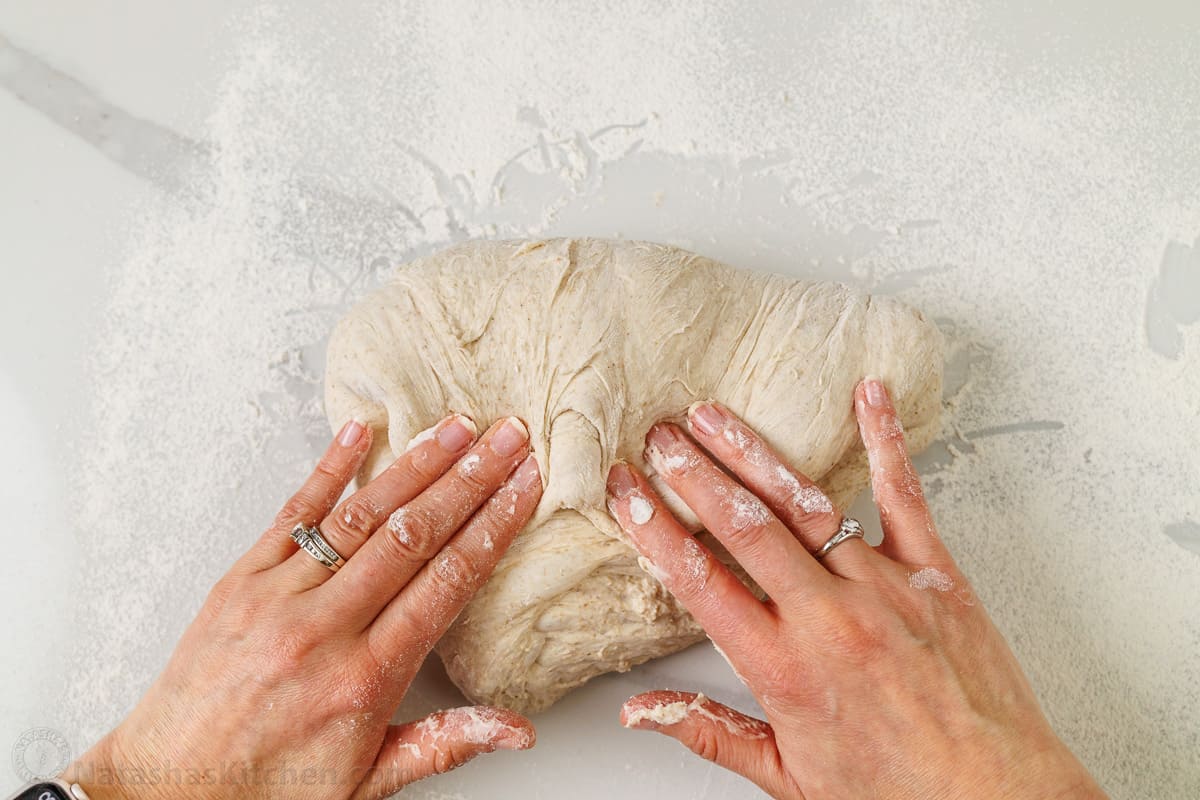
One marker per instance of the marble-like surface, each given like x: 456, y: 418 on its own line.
x: 106, y: 114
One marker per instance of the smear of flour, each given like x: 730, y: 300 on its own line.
x: 930, y: 578
x: 422, y: 437
x: 809, y: 499
x: 677, y: 711
x: 640, y: 510
x: 474, y: 724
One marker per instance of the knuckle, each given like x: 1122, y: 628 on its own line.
x: 411, y: 534
x: 776, y: 677
x: 904, y: 487
x: 471, y: 479
x: 417, y: 468
x: 329, y: 470
x: 296, y: 509
x: 859, y: 640
x: 286, y: 653
x: 454, y: 571
x: 353, y: 522
x: 451, y: 757
x: 218, y: 597
x: 747, y: 518
x: 704, y: 742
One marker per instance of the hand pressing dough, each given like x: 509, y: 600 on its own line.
x: 590, y: 342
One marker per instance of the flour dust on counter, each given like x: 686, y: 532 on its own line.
x: 1036, y: 201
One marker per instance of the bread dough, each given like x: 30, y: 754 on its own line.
x: 590, y: 342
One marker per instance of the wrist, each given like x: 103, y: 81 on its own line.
x: 1051, y: 772
x: 106, y: 772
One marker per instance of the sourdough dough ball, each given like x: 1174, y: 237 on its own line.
x: 590, y: 342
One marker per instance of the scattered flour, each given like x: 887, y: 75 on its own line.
x: 930, y: 578
x: 960, y: 178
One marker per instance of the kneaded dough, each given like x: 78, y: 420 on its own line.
x: 590, y: 342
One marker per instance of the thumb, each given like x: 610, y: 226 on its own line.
x: 441, y: 742
x: 715, y: 732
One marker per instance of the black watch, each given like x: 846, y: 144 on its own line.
x: 51, y: 790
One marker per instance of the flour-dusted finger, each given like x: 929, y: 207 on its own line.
x: 792, y: 497
x: 721, y: 603
x: 761, y: 543
x: 419, y: 529
x: 347, y: 529
x: 440, y: 742
x: 908, y: 530
x: 715, y: 732
x: 313, y: 501
x: 424, y: 609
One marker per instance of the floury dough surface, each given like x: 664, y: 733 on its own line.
x: 590, y: 342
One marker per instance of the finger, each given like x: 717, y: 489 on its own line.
x: 427, y: 458
x: 312, y: 503
x: 754, y: 536
x: 721, y: 603
x: 441, y: 742
x: 423, y: 611
x: 419, y: 529
x: 908, y: 532
x: 716, y: 733
x: 792, y: 497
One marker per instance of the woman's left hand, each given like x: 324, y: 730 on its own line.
x: 285, y: 684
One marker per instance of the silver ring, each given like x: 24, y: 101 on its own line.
x: 312, y: 542
x: 849, y: 529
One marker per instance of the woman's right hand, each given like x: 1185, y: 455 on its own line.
x: 880, y: 673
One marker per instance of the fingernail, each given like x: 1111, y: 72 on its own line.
x: 456, y: 434
x: 876, y: 394
x: 707, y: 418
x: 620, y: 481
x: 527, y: 475
x: 664, y: 437
x: 350, y: 433
x: 656, y: 459
x: 514, y: 739
x: 510, y: 438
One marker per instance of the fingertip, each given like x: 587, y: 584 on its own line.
x: 353, y: 432
x: 651, y: 711
x: 621, y: 480
x: 527, y: 477
x: 707, y: 417
x: 873, y: 393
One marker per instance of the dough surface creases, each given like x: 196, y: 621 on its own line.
x: 590, y: 342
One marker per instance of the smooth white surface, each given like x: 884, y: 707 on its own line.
x: 1104, y: 100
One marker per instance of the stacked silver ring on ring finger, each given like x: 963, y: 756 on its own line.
x: 310, y: 540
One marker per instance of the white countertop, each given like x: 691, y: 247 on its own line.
x: 191, y: 194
